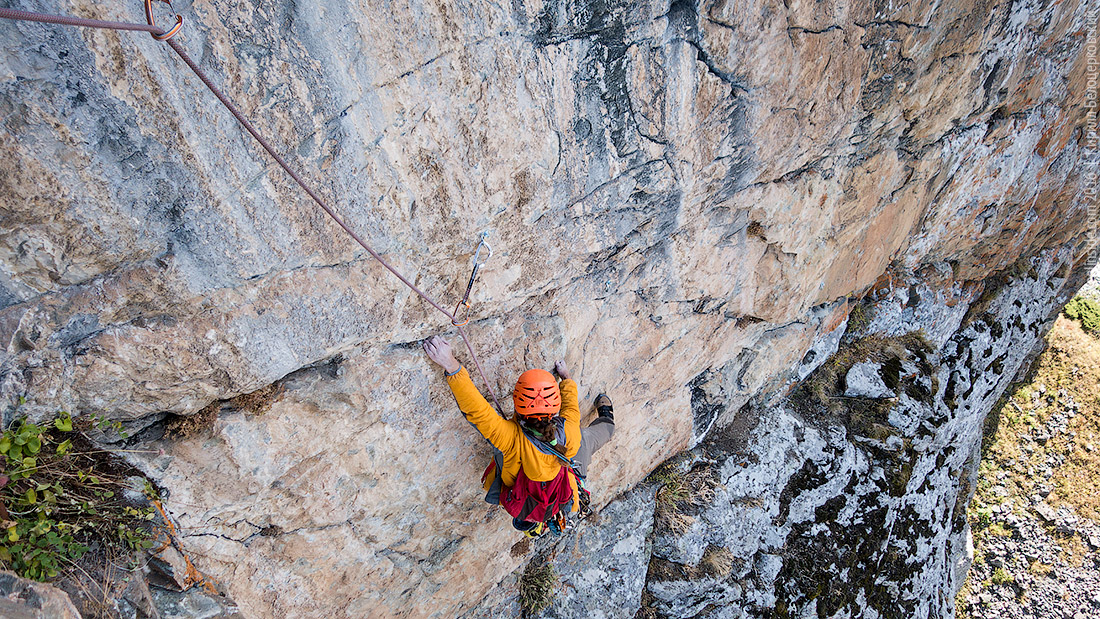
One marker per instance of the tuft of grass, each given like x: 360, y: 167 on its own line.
x: 537, y: 586
x: 859, y: 317
x: 756, y: 230
x: 680, y: 492
x: 191, y: 426
x: 1002, y: 577
x: 674, y: 486
x: 254, y: 404
x: 717, y: 562
x: 1039, y: 568
x: 676, y: 522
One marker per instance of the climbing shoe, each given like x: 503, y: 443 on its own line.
x: 530, y: 529
x: 603, y: 407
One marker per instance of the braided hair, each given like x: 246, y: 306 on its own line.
x: 545, y: 430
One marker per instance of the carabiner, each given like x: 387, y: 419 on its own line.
x: 465, y: 302
x: 149, y: 18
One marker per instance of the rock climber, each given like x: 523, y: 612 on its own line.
x: 547, y: 420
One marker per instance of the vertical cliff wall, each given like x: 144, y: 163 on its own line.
x: 685, y: 202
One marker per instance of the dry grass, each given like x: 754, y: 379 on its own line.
x: 646, y: 611
x: 191, y: 426
x: 259, y: 401
x: 717, y: 562
x: 537, y: 587
x: 677, y: 522
x: 1073, y: 362
x: 1010, y: 470
x: 1038, y: 568
x: 200, y: 424
x: 1074, y: 551
x: 680, y: 492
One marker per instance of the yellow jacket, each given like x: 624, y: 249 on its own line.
x: 506, y: 435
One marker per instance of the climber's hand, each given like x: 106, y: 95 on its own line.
x: 439, y: 351
x: 559, y: 367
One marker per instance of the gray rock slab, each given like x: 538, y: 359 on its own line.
x: 603, y: 566
x: 25, y: 599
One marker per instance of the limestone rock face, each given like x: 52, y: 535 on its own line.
x: 684, y: 201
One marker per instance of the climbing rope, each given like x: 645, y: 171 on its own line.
x: 160, y: 34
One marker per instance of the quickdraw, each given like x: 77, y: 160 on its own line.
x: 465, y: 302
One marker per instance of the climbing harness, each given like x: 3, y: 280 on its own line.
x: 465, y: 302
x: 569, y: 463
x: 167, y: 36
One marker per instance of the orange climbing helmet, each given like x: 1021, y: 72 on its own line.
x: 536, y: 395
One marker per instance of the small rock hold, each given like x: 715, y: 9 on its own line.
x: 1046, y: 512
x: 864, y: 380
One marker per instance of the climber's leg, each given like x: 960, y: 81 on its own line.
x: 596, y: 434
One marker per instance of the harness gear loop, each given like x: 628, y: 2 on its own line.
x: 465, y: 302
x: 149, y: 18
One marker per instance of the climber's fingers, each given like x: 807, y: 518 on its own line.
x: 439, y: 351
x: 563, y: 372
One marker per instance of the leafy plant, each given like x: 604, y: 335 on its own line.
x: 57, y: 501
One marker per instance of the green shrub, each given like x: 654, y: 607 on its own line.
x: 1085, y: 310
x: 1002, y: 577
x: 58, y: 498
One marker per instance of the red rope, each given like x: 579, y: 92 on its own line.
x: 158, y: 32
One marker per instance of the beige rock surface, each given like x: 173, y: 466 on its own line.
x: 668, y: 190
